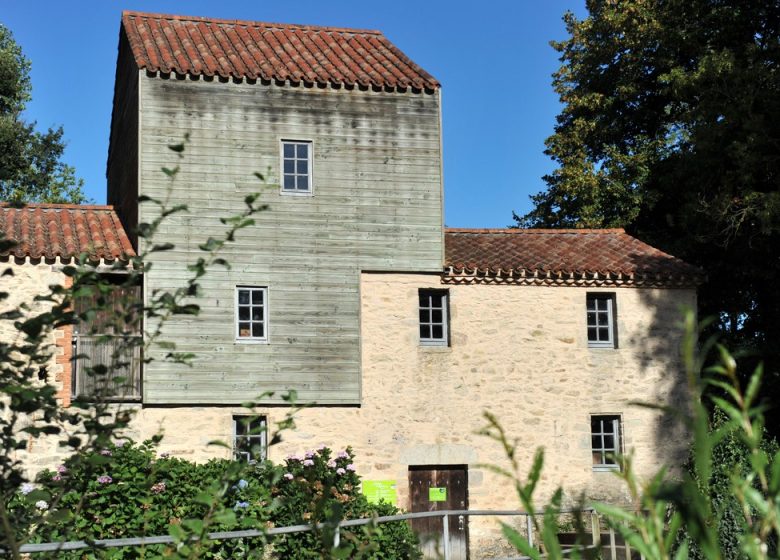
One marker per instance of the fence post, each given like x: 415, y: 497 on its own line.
x: 595, y: 528
x: 529, y: 528
x: 337, y: 536
x: 612, y: 546
x: 446, y: 535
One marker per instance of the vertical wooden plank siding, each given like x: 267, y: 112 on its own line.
x: 376, y: 205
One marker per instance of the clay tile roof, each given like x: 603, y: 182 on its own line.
x: 562, y: 253
x: 270, y: 51
x: 47, y: 231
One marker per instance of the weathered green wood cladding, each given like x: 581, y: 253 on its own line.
x: 376, y: 205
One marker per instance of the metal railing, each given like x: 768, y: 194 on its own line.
x: 610, y: 548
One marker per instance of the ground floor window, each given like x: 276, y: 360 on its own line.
x: 605, y: 441
x: 250, y: 437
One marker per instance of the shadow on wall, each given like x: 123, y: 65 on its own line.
x: 662, y: 338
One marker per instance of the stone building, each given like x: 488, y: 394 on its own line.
x: 399, y: 333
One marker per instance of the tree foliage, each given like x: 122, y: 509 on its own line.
x: 670, y: 128
x: 31, y: 169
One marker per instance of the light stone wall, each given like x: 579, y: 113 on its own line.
x: 519, y: 352
x: 28, y: 280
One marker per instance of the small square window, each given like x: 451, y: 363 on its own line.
x: 434, y: 311
x: 250, y: 438
x: 605, y: 435
x: 601, y: 320
x: 251, y: 314
x: 296, y: 167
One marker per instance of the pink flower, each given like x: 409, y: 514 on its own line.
x: 295, y: 457
x: 322, y: 447
x: 342, y: 455
x: 106, y: 452
x: 62, y: 469
x: 310, y: 454
x: 57, y: 477
x: 158, y: 488
x: 351, y: 467
x: 288, y: 476
x: 164, y: 455
x: 105, y: 479
x: 332, y: 464
x: 308, y: 463
x: 340, y: 471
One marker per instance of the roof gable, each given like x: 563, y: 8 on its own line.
x: 270, y: 51
x: 65, y: 231
x: 600, y: 256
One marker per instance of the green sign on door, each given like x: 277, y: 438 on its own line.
x: 437, y: 494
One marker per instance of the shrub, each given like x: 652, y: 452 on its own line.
x: 128, y: 491
x: 323, y: 487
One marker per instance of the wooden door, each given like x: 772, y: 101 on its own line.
x: 439, y: 488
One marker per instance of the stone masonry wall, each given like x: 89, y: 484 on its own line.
x: 519, y: 352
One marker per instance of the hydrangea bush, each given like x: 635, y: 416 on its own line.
x: 129, y: 491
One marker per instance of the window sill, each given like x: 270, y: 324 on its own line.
x: 296, y: 193
x: 601, y: 347
x: 251, y: 341
x: 606, y: 468
x: 435, y: 348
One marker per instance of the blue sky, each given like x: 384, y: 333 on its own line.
x: 493, y: 59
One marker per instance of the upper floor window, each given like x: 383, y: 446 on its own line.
x: 434, y: 318
x: 601, y: 320
x: 252, y: 313
x: 250, y: 438
x: 296, y: 167
x: 605, y: 441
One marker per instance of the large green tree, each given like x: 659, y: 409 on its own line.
x: 31, y: 169
x: 670, y: 127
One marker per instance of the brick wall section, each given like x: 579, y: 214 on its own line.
x: 63, y: 339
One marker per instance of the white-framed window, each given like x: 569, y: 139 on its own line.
x: 434, y: 317
x: 251, y: 314
x: 296, y: 166
x: 601, y: 320
x: 250, y: 438
x: 605, y: 435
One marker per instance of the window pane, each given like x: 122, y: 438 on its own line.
x: 436, y: 299
x: 289, y: 166
x: 243, y: 330
x: 425, y: 316
x: 257, y: 313
x: 303, y: 183
x: 597, y: 458
x: 423, y: 300
x: 302, y: 166
x: 603, y: 333
x: 437, y: 316
x: 289, y: 182
x: 289, y: 150
x: 257, y: 296
x: 240, y: 427
x: 609, y: 442
x: 303, y: 151
x: 425, y: 331
x: 243, y: 296
x: 595, y: 425
x: 438, y: 332
x: 592, y: 333
x: 243, y: 313
x: 595, y: 442
x: 591, y: 317
x: 257, y: 330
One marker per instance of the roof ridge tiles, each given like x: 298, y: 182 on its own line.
x: 252, y: 23
x: 55, y: 206
x: 536, y: 231
x: 294, y: 53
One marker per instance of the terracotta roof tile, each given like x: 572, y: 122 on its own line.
x: 272, y: 51
x: 563, y: 253
x: 64, y: 230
